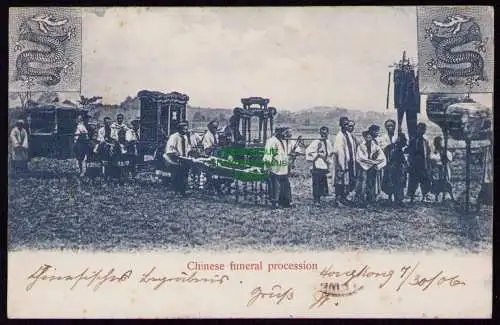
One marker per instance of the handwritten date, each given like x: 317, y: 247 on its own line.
x: 277, y: 293
x: 409, y: 277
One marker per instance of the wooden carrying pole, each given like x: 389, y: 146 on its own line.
x: 388, y: 91
x: 467, y: 174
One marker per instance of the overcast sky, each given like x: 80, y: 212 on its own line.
x: 298, y: 57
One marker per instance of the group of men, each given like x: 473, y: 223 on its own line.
x: 363, y: 169
x: 117, y: 143
x: 186, y: 143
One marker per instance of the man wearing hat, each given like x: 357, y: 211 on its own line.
x: 320, y: 153
x: 276, y: 162
x: 19, y: 153
x: 178, y: 146
x: 344, y: 148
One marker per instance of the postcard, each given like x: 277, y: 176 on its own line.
x: 250, y: 162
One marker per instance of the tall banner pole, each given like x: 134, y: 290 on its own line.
x: 388, y: 91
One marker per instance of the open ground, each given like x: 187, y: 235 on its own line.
x: 54, y: 209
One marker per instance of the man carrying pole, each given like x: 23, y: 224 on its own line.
x: 276, y: 161
x: 178, y: 147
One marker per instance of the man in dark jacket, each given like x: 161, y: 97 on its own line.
x: 419, y: 164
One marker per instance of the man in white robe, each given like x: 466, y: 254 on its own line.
x: 344, y: 148
x: 320, y: 154
x: 19, y: 142
x: 178, y: 146
x: 210, y: 139
x: 276, y: 162
x: 371, y: 159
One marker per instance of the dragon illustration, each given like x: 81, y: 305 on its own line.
x: 452, y: 63
x: 44, y: 64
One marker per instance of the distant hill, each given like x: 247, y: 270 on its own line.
x: 306, y: 120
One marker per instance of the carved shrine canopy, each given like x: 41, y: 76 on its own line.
x: 173, y: 97
x: 255, y: 101
x: 262, y: 111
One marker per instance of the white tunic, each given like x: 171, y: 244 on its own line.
x: 115, y: 128
x: 209, y: 140
x: 131, y: 135
x: 341, y: 150
x: 312, y: 152
x: 174, y: 145
x: 19, y: 139
x: 276, y: 156
x: 195, y: 139
x: 101, y: 133
x: 376, y: 158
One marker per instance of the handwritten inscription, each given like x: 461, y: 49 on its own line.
x: 330, y: 290
x: 335, y: 284
x: 364, y: 272
x: 97, y: 277
x: 184, y: 278
x: 276, y: 294
x: 407, y: 275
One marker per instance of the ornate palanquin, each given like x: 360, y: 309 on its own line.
x: 160, y: 113
x: 51, y: 130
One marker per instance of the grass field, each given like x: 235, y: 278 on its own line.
x: 53, y: 209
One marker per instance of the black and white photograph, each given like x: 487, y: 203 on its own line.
x: 248, y: 129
